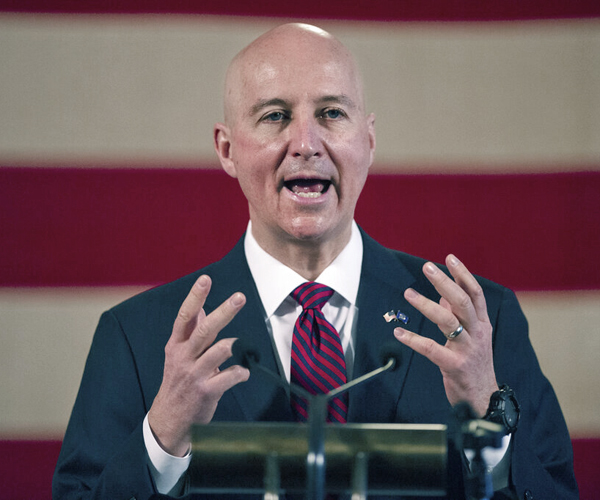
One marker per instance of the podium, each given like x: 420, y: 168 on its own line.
x: 358, y: 459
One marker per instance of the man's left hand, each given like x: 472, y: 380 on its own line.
x: 466, y: 361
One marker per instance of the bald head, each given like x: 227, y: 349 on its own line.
x: 280, y: 52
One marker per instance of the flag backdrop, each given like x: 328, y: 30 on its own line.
x: 488, y: 130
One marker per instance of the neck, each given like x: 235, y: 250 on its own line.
x: 310, y: 257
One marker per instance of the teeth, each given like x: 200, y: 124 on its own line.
x: 307, y: 188
x: 308, y: 194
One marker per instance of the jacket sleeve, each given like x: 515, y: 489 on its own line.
x: 103, y: 455
x: 541, y: 452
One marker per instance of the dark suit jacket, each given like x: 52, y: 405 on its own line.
x: 103, y: 454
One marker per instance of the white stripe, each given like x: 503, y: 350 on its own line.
x: 565, y: 332
x: 45, y: 335
x: 448, y: 96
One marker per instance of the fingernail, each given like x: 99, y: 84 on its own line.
x: 452, y: 260
x: 430, y: 268
x: 399, y: 333
x: 237, y: 299
x: 409, y: 293
x: 203, y: 281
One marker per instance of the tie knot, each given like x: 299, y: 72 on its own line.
x: 311, y: 295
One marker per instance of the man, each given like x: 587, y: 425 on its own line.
x: 297, y: 137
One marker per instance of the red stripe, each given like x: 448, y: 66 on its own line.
x: 300, y: 410
x: 302, y: 356
x: 383, y: 10
x: 309, y: 366
x: 309, y: 374
x: 334, y: 414
x: 335, y: 369
x: 338, y: 362
x: 338, y: 407
x: 82, y: 227
x: 331, y: 336
x: 340, y: 402
x: 19, y: 458
x: 528, y: 232
x: 26, y: 468
x: 316, y: 298
x: 306, y: 333
x: 319, y: 293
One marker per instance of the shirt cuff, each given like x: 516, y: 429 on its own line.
x: 491, y: 456
x: 167, y: 470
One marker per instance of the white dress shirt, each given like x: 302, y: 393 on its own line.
x: 275, y: 281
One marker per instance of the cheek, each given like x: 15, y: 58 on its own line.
x: 355, y: 162
x: 355, y: 153
x: 257, y: 163
x: 254, y: 180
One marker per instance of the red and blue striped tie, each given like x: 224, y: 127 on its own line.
x: 318, y: 363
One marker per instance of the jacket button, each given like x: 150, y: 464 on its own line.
x: 528, y: 495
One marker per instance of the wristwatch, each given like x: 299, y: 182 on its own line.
x: 504, y: 409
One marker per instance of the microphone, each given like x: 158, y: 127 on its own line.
x: 249, y: 358
x: 390, y: 356
x: 247, y: 355
x: 391, y: 350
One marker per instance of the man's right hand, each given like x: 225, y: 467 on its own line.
x: 192, y: 382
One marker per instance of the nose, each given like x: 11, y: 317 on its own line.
x: 305, y: 138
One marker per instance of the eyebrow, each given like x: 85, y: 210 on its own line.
x: 341, y: 99
x: 264, y: 103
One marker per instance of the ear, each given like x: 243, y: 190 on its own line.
x: 224, y: 149
x: 371, y: 132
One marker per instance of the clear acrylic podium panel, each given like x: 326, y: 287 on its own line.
x: 399, y: 458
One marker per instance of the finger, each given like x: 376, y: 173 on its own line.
x: 458, y: 299
x: 191, y: 308
x: 469, y: 284
x: 226, y: 379
x: 208, y: 328
x: 213, y: 357
x: 429, y: 348
x: 442, y: 316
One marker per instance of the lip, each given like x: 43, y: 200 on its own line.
x: 307, y: 177
x: 307, y: 182
x: 307, y: 200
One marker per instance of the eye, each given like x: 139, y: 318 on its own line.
x: 332, y: 113
x: 275, y: 116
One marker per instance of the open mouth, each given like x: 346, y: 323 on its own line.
x: 307, y: 188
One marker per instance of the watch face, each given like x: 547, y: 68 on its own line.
x: 511, y: 416
x: 504, y: 409
x: 511, y: 412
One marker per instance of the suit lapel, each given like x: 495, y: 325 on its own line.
x: 260, y: 398
x: 383, y: 281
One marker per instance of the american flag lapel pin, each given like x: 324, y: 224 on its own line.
x: 396, y: 316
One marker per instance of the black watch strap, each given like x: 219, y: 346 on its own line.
x: 504, y: 409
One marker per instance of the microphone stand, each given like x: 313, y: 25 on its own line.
x: 315, y: 460
x: 317, y: 416
x: 477, y: 434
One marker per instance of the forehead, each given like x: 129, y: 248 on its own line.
x: 293, y: 70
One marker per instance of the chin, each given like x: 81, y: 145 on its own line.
x: 311, y: 230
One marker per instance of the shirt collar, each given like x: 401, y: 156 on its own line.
x: 274, y: 280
